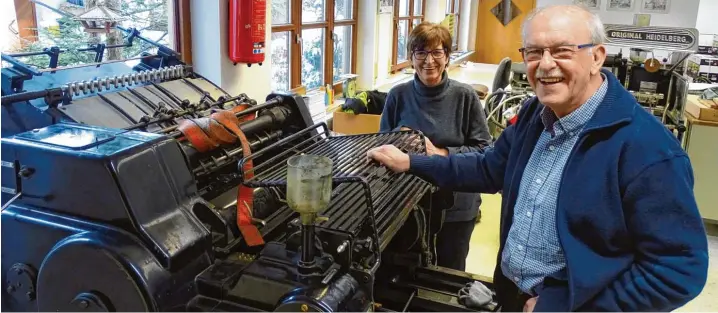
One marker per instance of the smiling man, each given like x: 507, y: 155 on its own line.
x: 598, y: 212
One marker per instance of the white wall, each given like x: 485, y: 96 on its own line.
x: 464, y: 23
x: 210, y: 55
x: 367, y: 45
x: 707, y: 22
x: 683, y: 13
x: 435, y: 10
x: 7, y: 15
x: 385, y: 44
x: 474, y: 19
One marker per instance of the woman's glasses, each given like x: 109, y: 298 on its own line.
x: 435, y: 54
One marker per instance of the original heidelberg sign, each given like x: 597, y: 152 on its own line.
x: 659, y: 38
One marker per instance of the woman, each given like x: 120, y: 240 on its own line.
x: 450, y: 116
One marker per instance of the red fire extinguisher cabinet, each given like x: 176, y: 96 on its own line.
x: 247, y: 31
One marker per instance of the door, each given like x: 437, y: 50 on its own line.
x: 498, y: 29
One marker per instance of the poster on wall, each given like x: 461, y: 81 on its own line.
x: 386, y: 6
x: 589, y: 4
x: 620, y: 5
x: 656, y: 6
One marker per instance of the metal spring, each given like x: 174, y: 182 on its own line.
x: 106, y: 83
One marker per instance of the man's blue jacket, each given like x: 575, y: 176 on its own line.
x: 627, y: 218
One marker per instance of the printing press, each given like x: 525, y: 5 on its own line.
x: 659, y: 86
x: 149, y: 188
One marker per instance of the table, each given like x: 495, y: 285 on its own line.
x: 700, y: 144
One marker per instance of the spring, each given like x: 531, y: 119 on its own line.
x: 106, y: 83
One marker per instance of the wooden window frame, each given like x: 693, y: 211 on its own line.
x: 295, y: 28
x: 395, y: 66
x: 26, y: 20
x: 183, y: 30
x: 25, y: 14
x: 455, y: 9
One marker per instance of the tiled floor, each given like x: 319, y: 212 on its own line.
x: 485, y: 245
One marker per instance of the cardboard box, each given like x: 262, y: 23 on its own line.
x: 699, y: 110
x: 355, y: 124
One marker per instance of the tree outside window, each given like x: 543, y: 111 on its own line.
x: 57, y: 27
x: 311, y: 47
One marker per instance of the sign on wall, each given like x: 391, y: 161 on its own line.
x: 659, y: 38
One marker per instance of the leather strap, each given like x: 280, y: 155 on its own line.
x: 222, y: 127
x: 245, y: 195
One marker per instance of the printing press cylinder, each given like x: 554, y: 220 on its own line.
x: 342, y: 295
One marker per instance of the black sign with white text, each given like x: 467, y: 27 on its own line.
x: 660, y: 38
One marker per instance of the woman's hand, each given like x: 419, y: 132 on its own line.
x: 391, y: 157
x: 530, y: 304
x: 430, y: 148
x: 433, y: 150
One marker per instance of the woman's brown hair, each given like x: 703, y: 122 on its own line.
x: 428, y: 34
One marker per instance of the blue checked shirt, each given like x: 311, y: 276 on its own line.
x: 532, y: 251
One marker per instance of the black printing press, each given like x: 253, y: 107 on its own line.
x: 149, y: 188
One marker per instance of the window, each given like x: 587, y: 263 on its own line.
x: 45, y: 24
x: 453, y: 7
x: 312, y: 47
x: 407, y: 14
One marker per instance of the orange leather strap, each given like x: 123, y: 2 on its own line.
x: 222, y: 127
x: 197, y: 136
x: 245, y: 195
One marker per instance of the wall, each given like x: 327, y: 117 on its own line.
x: 435, y: 10
x: 385, y: 45
x: 367, y: 46
x: 474, y: 19
x: 707, y: 14
x: 464, y: 23
x: 683, y: 13
x: 8, y: 38
x: 210, y: 52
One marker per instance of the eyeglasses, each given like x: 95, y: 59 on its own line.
x: 436, y: 54
x: 562, y: 52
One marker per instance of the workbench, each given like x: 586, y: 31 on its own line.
x: 701, y: 144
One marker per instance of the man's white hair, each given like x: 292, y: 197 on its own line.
x: 595, y: 26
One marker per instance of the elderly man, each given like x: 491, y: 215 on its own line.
x: 598, y: 210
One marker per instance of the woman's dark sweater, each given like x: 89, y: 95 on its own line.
x: 452, y: 117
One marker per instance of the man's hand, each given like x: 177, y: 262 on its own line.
x: 530, y: 304
x: 391, y: 157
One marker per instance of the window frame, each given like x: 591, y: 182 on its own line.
x: 295, y: 28
x: 179, y: 24
x: 395, y: 66
x: 454, y: 9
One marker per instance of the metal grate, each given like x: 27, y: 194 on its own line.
x: 363, y: 186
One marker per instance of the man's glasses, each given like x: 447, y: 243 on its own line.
x: 563, y: 52
x: 436, y: 54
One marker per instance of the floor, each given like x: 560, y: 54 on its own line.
x: 485, y: 246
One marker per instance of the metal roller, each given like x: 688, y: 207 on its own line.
x: 126, y: 80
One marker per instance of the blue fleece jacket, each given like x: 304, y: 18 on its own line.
x: 627, y: 219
